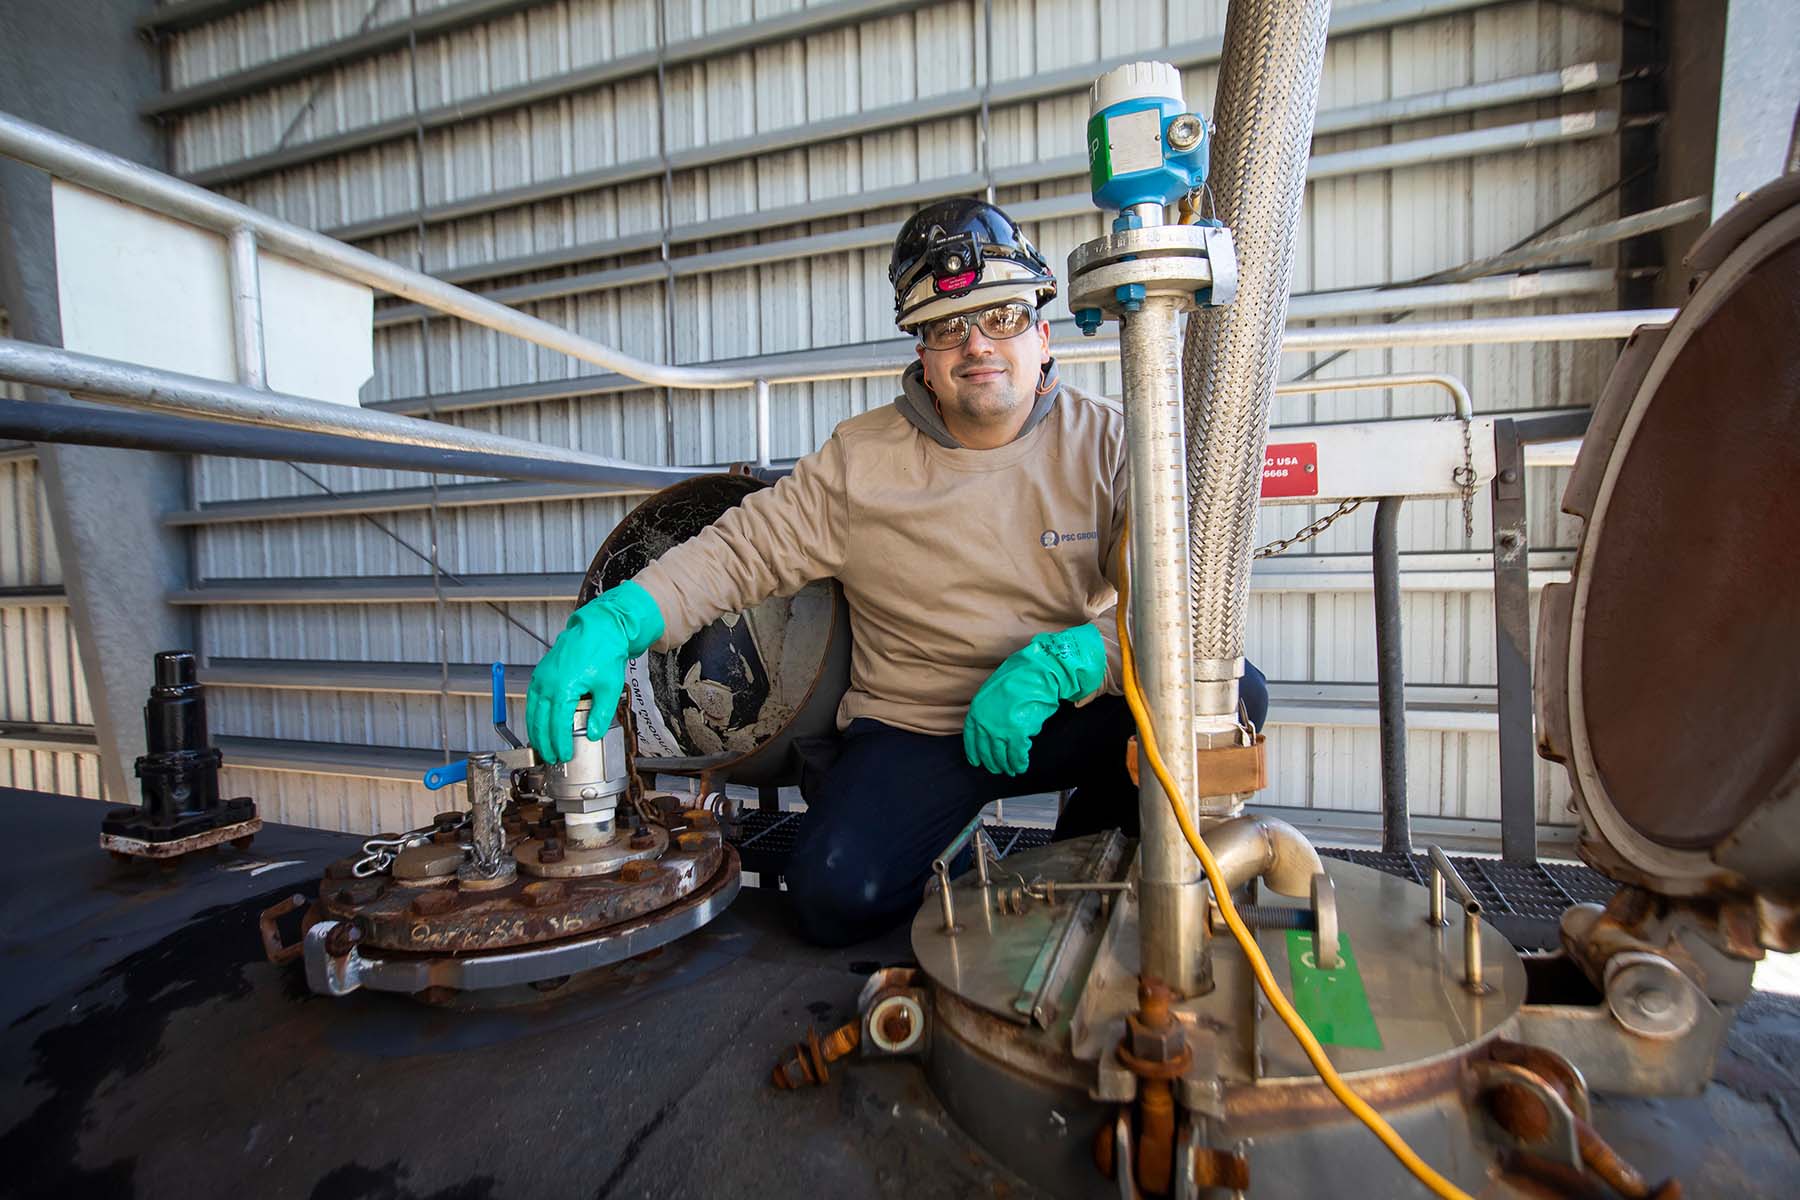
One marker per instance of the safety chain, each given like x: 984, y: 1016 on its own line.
x: 1309, y: 532
x: 379, y: 852
x: 1464, y: 478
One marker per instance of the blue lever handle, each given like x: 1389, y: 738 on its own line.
x: 449, y: 773
x: 499, y: 693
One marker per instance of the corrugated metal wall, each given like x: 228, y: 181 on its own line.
x: 1380, y: 227
x: 40, y: 658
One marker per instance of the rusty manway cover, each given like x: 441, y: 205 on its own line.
x: 1681, y: 627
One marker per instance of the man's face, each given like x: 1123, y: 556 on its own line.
x: 987, y: 377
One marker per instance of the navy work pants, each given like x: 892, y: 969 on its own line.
x: 892, y: 800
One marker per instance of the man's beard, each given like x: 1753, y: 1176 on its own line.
x: 986, y: 398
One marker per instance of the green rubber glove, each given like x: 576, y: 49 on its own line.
x: 1024, y: 690
x: 588, y: 659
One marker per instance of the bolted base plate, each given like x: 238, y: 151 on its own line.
x: 218, y: 835
x: 366, y: 966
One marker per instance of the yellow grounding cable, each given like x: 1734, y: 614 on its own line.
x: 1265, y: 978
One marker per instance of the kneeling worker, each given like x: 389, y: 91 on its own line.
x: 973, y: 525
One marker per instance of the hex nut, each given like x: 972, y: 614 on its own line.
x: 1153, y: 1044
x: 691, y: 840
x: 541, y: 892
x: 434, y: 903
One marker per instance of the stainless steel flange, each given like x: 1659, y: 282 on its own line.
x: 1166, y: 260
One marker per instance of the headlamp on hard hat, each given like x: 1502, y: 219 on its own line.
x: 955, y: 263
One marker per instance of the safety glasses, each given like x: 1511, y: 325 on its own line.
x: 998, y: 323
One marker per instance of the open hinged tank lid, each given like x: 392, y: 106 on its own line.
x: 1669, y: 666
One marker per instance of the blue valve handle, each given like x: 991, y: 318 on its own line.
x: 458, y: 771
x: 500, y: 725
x: 449, y: 773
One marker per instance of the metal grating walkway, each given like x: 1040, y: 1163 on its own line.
x: 1524, y: 902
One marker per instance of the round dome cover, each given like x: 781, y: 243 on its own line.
x: 736, y: 694
x: 1669, y: 677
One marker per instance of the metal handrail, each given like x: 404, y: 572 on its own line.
x: 150, y: 387
x: 249, y: 231
x: 1459, y: 394
x: 122, y: 179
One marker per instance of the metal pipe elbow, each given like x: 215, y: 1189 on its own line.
x: 1259, y: 847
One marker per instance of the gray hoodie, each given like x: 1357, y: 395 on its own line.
x: 919, y: 406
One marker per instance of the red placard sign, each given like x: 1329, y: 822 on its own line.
x: 1291, y: 469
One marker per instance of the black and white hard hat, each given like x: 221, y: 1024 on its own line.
x: 961, y: 255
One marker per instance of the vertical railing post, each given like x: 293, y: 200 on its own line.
x: 762, y: 423
x: 246, y: 309
x: 1512, y: 648
x: 1390, y: 675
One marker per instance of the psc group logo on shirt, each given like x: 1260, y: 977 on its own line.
x: 1051, y: 539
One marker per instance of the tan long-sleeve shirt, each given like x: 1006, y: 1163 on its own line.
x: 951, y: 558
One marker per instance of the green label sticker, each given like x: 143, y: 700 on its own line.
x: 1332, y: 1003
x: 1100, y: 170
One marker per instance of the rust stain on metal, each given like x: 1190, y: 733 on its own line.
x: 433, y: 903
x: 896, y: 1024
x: 1520, y: 1113
x: 273, y: 948
x: 1619, y: 1175
x: 341, y: 940
x: 542, y: 892
x: 1306, y: 1101
x: 451, y: 919
x: 1221, y: 1169
x: 805, y: 1064
x: 138, y: 848
x: 1155, y: 1136
x: 1103, y: 1148
x: 1552, y: 1068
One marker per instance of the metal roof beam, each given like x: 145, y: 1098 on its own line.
x: 1393, y: 156
x: 181, y: 15
x: 861, y: 360
x: 48, y: 737
x: 908, y: 115
x: 1445, y: 708
x: 1203, y: 52
x: 455, y: 17
x: 1559, y: 453
x: 1362, y: 116
x: 34, y: 596
x: 379, y: 40
x: 400, y: 763
x: 1431, y: 571
x: 278, y: 674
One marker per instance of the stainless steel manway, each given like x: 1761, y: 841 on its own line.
x: 1033, y: 1091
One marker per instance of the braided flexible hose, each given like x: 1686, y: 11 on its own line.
x: 1268, y: 94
